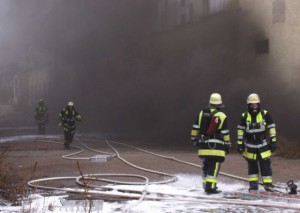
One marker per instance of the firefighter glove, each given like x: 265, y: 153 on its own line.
x: 78, y: 118
x: 272, y: 146
x: 240, y: 149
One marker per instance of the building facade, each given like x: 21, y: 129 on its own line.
x: 269, y: 37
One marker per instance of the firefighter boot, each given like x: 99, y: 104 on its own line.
x: 212, y: 191
x: 253, y: 185
x: 209, y: 190
x: 269, y: 187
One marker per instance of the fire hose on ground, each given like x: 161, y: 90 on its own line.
x: 143, y: 194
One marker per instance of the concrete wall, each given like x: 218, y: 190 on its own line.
x: 260, y: 21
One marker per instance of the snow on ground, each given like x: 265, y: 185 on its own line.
x: 25, y: 138
x: 180, y: 198
x: 187, y: 185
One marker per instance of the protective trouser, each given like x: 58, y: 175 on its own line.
x: 210, y: 171
x: 264, y: 165
x: 68, y: 138
x: 42, y: 128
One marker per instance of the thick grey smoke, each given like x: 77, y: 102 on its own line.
x: 127, y: 79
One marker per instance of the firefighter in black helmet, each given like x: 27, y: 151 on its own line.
x: 210, y: 133
x: 67, y: 117
x: 252, y: 130
x: 41, y: 116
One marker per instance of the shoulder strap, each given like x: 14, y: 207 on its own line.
x: 214, y: 112
x: 263, y: 113
x: 245, y: 115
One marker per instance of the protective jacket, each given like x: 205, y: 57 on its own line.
x: 41, y: 113
x: 252, y: 134
x: 68, y: 116
x: 211, y: 132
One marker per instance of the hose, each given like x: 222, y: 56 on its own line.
x: 159, y: 198
x: 145, y: 194
x: 171, y: 179
x: 191, y: 164
x: 91, y: 192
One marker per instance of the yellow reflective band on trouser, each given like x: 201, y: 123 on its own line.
x: 266, y: 154
x: 253, y: 178
x: 211, y: 179
x: 249, y: 155
x: 267, y: 179
x: 253, y: 156
x: 216, y: 169
x: 211, y: 152
x: 194, y: 132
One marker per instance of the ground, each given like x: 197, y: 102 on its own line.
x: 44, y: 158
x: 26, y: 154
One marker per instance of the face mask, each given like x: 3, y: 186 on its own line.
x: 253, y: 108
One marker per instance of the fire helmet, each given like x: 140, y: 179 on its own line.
x: 215, y: 99
x: 253, y: 99
x: 70, y: 103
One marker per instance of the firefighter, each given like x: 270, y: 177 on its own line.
x: 252, y: 131
x: 41, y: 116
x: 68, y: 116
x: 210, y: 133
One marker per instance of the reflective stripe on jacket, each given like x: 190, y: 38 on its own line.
x: 212, y: 145
x: 68, y: 117
x: 252, y: 134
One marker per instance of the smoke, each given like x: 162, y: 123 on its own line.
x: 125, y: 79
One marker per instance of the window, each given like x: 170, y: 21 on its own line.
x: 262, y: 47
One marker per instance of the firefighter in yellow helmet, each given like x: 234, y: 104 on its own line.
x: 252, y: 130
x: 210, y: 133
x: 67, y: 118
